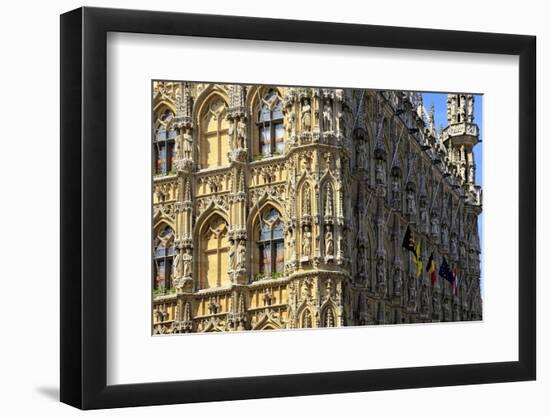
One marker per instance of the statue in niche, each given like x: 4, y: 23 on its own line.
x: 462, y: 251
x: 187, y: 145
x: 361, y: 152
x: 177, y: 269
x: 306, y: 241
x: 425, y: 299
x: 241, y: 134
x: 306, y: 116
x: 446, y: 312
x: 241, y: 255
x: 292, y: 247
x: 454, y: 249
x: 187, y: 258
x: 412, y: 291
x: 436, y: 304
x: 444, y: 235
x: 397, y: 281
x: 395, y: 191
x: 343, y: 243
x: 329, y: 211
x: 306, y: 164
x: 435, y: 226
x: 307, y: 201
x: 230, y: 132
x: 361, y: 261
x: 380, y: 174
x: 290, y: 125
x: 306, y: 290
x: 329, y: 241
x: 232, y: 257
x: 327, y: 116
x: 380, y: 270
x: 411, y: 203
x: 423, y: 214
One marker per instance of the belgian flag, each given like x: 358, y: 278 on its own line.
x: 413, y: 246
x: 430, y: 269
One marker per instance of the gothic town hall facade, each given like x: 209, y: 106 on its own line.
x: 285, y: 207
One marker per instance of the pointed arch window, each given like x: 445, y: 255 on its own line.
x: 307, y: 322
x: 214, y: 137
x: 271, y: 244
x: 270, y: 125
x: 163, y: 259
x: 164, y: 143
x: 214, y: 254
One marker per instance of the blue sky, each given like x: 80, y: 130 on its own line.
x: 440, y: 106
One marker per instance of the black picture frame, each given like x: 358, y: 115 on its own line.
x: 84, y: 207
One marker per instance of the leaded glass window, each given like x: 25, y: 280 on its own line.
x: 270, y: 125
x: 163, y: 255
x: 164, y: 144
x: 271, y: 244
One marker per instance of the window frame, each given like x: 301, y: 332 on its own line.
x: 272, y: 242
x: 271, y: 125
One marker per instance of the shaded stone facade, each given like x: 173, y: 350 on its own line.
x: 278, y: 208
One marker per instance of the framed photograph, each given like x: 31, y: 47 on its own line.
x: 366, y: 193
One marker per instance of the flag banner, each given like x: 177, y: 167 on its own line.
x: 445, y: 271
x: 408, y: 241
x: 430, y: 269
x: 418, y: 260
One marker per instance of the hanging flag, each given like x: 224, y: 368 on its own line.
x: 455, y: 282
x: 408, y: 241
x: 430, y: 269
x: 418, y: 260
x: 445, y: 271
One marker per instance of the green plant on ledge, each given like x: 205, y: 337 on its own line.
x: 258, y: 157
x: 271, y: 275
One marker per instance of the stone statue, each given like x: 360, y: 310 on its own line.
x: 435, y: 227
x: 327, y: 116
x: 425, y: 299
x: 444, y: 235
x: 380, y: 175
x: 329, y: 201
x: 361, y: 154
x: 395, y: 190
x: 232, y: 257
x: 290, y: 125
x: 306, y: 290
x: 307, y: 201
x: 306, y: 116
x: 361, y: 260
x: 306, y: 241
x: 462, y: 251
x: 397, y: 281
x: 329, y: 242
x: 454, y: 249
x: 187, y: 258
x: 411, y: 203
x: 177, y: 269
x: 241, y: 134
x: 241, y: 255
x: 292, y: 247
x: 380, y: 270
x: 187, y: 145
x: 423, y: 215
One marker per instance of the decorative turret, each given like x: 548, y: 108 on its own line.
x: 460, y: 137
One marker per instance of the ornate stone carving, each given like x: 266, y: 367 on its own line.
x: 320, y: 183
